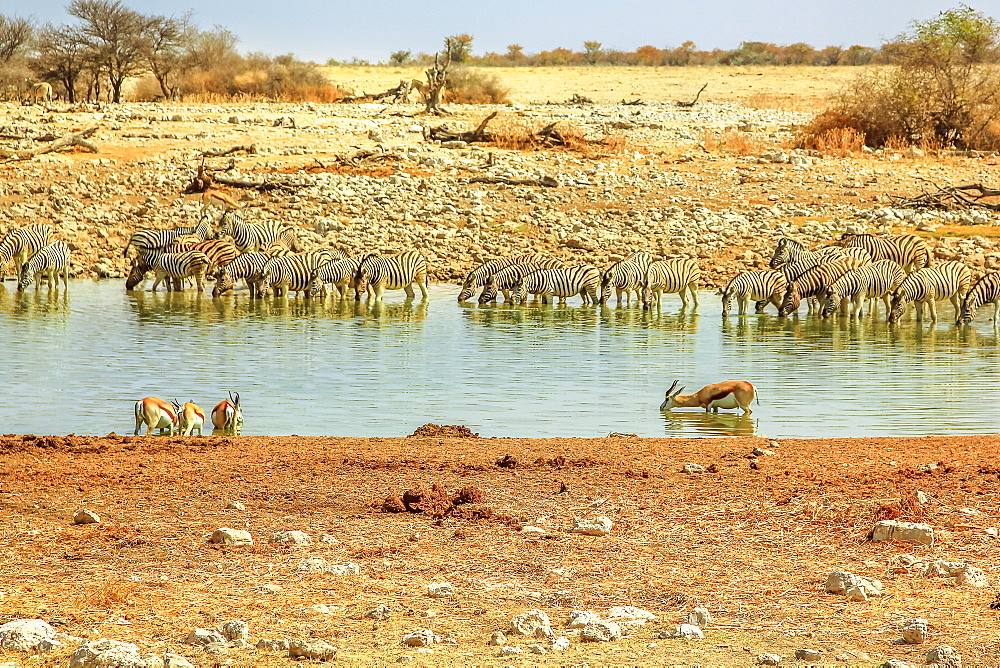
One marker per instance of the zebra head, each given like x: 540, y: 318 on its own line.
x: 967, y: 314
x: 518, y: 292
x: 317, y: 288
x: 223, y: 282
x: 791, y: 300
x: 727, y: 300
x: 831, y: 299
x: 781, y: 253
x: 896, y: 307
x: 363, y: 275
x: 226, y: 224
x: 138, y: 272
x: 489, y: 292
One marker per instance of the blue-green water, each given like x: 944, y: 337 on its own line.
x: 76, y: 362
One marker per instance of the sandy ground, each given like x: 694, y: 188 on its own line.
x: 752, y: 539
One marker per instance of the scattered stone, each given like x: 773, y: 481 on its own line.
x: 630, y: 612
x: 510, y: 650
x: 852, y: 655
x: 86, y: 517
x: 204, y: 637
x: 944, y: 656
x: 379, y: 613
x: 534, y: 624
x: 404, y: 659
x: 498, y: 639
x: 896, y: 663
x: 235, y: 505
x: 693, y: 468
x: 957, y: 572
x: 234, y: 630
x: 311, y: 649
x: 687, y: 631
x: 580, y: 618
x: 321, y: 565
x: 24, y: 635
x: 231, y: 537
x: 328, y: 539
x: 808, y: 654
x: 904, y: 531
x: 768, y: 659
x: 106, y: 653
x: 761, y: 452
x: 440, y: 590
x: 320, y: 610
x: 291, y: 538
x: 273, y: 644
x: 343, y: 570
x: 560, y: 644
x: 921, y: 497
x: 598, y: 526
x: 533, y: 532
x: 601, y: 631
x: 423, y: 638
x: 168, y: 660
x: 855, y: 587
x: 915, y: 631
x: 700, y: 617
x: 268, y: 588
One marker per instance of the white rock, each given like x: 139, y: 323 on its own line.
x: 534, y: 624
x: 422, y: 638
x: 944, y: 656
x: 768, y: 659
x: 343, y: 570
x: 268, y: 588
x: 560, y: 644
x: 904, y: 531
x: 510, y: 650
x: 580, y: 618
x: 291, y: 538
x: 86, y: 517
x: 915, y: 631
x: 24, y: 635
x: 233, y: 537
x: 601, y: 631
x: 498, y: 639
x: 311, y: 649
x: 106, y: 654
x: 273, y: 644
x: 204, y: 637
x: 328, y: 539
x: 379, y: 613
x: 234, y: 630
x: 320, y: 610
x: 533, y: 532
x: 440, y: 590
x: 700, y: 617
x: 961, y: 573
x: 598, y: 526
x: 808, y: 654
x: 863, y: 589
x: 689, y: 631
x: 235, y: 505
x: 693, y: 468
x: 628, y: 612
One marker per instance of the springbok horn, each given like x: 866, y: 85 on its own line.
x: 672, y: 387
x: 237, y: 399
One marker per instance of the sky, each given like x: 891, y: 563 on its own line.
x: 371, y: 30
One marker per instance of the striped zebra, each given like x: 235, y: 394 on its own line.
x: 948, y: 280
x: 907, y: 250
x: 580, y: 280
x: 339, y: 273
x: 20, y: 244
x: 250, y: 237
x: 49, y: 262
x: 152, y: 240
x: 874, y: 281
x: 664, y: 276
x: 813, y: 282
x: 202, y: 229
x: 178, y: 266
x: 249, y: 267
x: 625, y: 276
x: 278, y: 248
x: 293, y: 272
x: 477, y: 277
x: 504, y: 280
x: 985, y: 291
x: 378, y: 273
x: 789, y: 251
x: 761, y: 286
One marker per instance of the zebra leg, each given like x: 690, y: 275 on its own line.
x: 422, y: 284
x: 408, y: 289
x: 932, y: 307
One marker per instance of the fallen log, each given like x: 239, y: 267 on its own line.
x: 688, y: 105
x: 250, y: 150
x: 77, y: 139
x: 545, y: 181
x: 443, y: 133
x: 399, y: 94
x: 951, y: 198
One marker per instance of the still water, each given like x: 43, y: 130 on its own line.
x: 77, y: 361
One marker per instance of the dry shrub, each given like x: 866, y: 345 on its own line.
x: 468, y: 494
x: 513, y: 134
x: 617, y: 142
x: 907, y: 508
x: 732, y: 141
x: 471, y: 86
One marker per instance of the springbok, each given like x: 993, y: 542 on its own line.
x: 727, y: 394
x: 228, y: 415
x: 41, y: 91
x: 217, y: 198
x: 156, y: 414
x: 190, y: 416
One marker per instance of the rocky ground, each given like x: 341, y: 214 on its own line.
x: 751, y: 538
x: 718, y: 183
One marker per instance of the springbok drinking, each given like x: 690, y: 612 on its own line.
x: 228, y: 415
x: 727, y: 394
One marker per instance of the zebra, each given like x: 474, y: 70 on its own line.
x: 202, y: 229
x: 580, y: 280
x: 766, y: 285
x: 789, y: 250
x: 625, y: 276
x: 249, y: 267
x: 676, y: 275
x: 339, y: 273
x: 153, y: 240
x: 478, y: 276
x: 293, y: 272
x: 812, y: 282
x: 504, y: 280
x: 250, y: 237
x: 48, y: 261
x: 908, y: 250
x: 278, y: 248
x: 985, y: 291
x: 190, y: 264
x: 948, y: 280
x: 874, y: 281
x: 378, y: 273
x: 20, y: 244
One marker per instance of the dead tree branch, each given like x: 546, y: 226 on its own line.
x: 250, y: 150
x: 76, y: 139
x: 442, y: 133
x: 437, y: 79
x: 545, y: 181
x: 688, y: 105
x: 951, y: 198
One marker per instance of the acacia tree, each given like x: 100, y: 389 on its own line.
x: 592, y: 52
x: 63, y: 54
x: 118, y: 37
x: 458, y: 47
x: 15, y: 34
x: 165, y: 44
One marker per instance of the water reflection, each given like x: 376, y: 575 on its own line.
x: 680, y: 422
x: 44, y: 302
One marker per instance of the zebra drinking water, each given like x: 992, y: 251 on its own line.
x: 478, y: 276
x: 249, y: 267
x: 985, y: 291
x: 625, y: 276
x: 294, y: 272
x: 874, y: 281
x: 339, y: 273
x: 948, y: 280
x: 190, y: 264
x: 20, y: 244
x: 580, y: 280
x: 505, y: 279
x: 48, y: 262
x: 676, y: 275
x: 378, y: 273
x: 813, y: 282
x: 761, y: 286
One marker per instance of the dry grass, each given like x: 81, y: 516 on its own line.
x: 732, y: 141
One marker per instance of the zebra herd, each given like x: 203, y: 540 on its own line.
x: 267, y: 257
x: 35, y: 255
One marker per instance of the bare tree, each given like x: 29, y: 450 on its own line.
x: 166, y: 41
x: 437, y: 79
x: 15, y: 34
x: 62, y: 56
x: 117, y: 34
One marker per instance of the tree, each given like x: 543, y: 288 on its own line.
x: 592, y: 51
x: 459, y: 47
x: 15, y: 34
x: 649, y: 55
x: 117, y: 35
x: 515, y: 53
x: 399, y: 58
x: 166, y: 39
x: 62, y: 56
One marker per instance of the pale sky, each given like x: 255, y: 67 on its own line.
x: 373, y: 29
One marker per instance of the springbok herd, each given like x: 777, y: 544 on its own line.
x: 834, y: 279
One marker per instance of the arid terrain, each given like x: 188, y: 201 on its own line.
x: 752, y: 538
